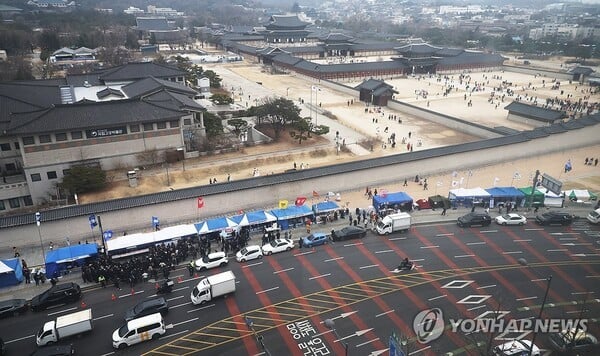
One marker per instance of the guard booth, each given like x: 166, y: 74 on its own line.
x: 132, y: 178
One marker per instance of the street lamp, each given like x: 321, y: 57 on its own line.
x: 331, y: 325
x: 523, y: 262
x: 38, y: 221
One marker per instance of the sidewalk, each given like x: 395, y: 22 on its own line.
x: 422, y: 217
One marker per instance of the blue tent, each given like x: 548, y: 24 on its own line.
x: 253, y: 218
x: 397, y: 201
x: 291, y: 215
x: 59, y: 260
x: 216, y: 224
x: 11, y: 272
x: 325, y: 207
x: 502, y: 195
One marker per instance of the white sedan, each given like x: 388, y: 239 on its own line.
x: 511, y: 219
x: 278, y: 245
x: 213, y: 260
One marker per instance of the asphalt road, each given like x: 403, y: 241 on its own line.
x: 286, y: 297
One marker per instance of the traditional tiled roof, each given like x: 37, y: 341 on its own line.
x: 337, y: 37
x: 107, y: 92
x: 141, y: 70
x: 88, y: 115
x: 36, y: 93
x: 149, y: 85
x: 418, y: 49
x: 449, y: 52
x: 285, y: 21
x: 582, y: 70
x: 174, y: 101
x: 152, y: 23
x: 534, y: 112
x: 472, y: 58
x: 285, y: 58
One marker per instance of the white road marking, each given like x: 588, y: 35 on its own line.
x: 534, y: 229
x: 129, y: 295
x: 369, y: 266
x: 201, y: 308
x: 597, y: 276
x: 442, y: 235
x: 334, y: 259
x: 558, y: 250
x: 170, y: 299
x: 488, y: 286
x: 252, y: 264
x: 526, y: 298
x: 539, y: 280
x: 384, y: 313
x: 367, y: 342
x: 567, y: 238
x: 523, y: 240
x: 419, y: 350
x: 419, y: 260
x: 354, y: 244
x: 475, y: 243
x: 304, y: 253
x: 283, y: 270
x: 267, y: 290
x: 384, y: 251
x: 62, y: 311
x: 19, y: 339
x: 180, y: 305
x: 182, y: 288
x: 463, y: 256
x: 433, y: 246
x: 177, y: 333
x: 486, y: 231
x: 477, y: 307
x: 108, y: 353
x: 438, y: 297
x: 397, y: 238
x: 323, y: 275
x: 564, y: 233
x: 578, y: 293
x: 186, y: 321
x: 511, y: 252
x: 104, y: 316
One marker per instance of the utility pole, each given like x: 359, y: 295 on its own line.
x: 101, y: 233
x: 549, y: 279
x: 534, y: 185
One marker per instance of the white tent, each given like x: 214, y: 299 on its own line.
x: 4, y: 268
x: 150, y: 238
x: 551, y: 199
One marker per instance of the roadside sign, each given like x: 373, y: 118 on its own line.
x: 552, y: 184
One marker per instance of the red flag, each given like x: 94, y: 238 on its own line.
x: 315, y: 194
x: 300, y: 201
x: 200, y: 202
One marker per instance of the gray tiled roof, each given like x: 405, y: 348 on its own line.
x: 371, y: 84
x: 418, y: 48
x: 174, y: 101
x: 286, y: 59
x: 140, y: 70
x: 89, y: 115
x: 472, y: 58
x: 39, y: 94
x: 534, y: 112
x: 109, y: 91
x: 152, y: 23
x: 148, y: 85
x: 582, y: 70
x: 285, y: 21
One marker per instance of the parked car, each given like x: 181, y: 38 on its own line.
x: 250, y: 252
x: 57, y: 295
x: 554, y: 218
x: 315, y: 239
x: 54, y: 350
x: 12, y: 307
x: 594, y: 216
x: 348, y: 232
x: 516, y: 348
x: 511, y: 219
x: 147, y: 307
x: 212, y: 260
x: 278, y: 245
x: 571, y: 340
x: 473, y: 218
x: 421, y: 204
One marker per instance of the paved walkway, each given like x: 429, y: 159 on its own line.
x: 34, y: 256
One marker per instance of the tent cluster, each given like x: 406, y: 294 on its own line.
x: 520, y: 197
x: 11, y: 272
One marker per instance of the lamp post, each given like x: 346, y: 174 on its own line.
x: 38, y: 221
x: 524, y: 262
x: 331, y: 325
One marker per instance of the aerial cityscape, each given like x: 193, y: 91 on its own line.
x: 302, y: 177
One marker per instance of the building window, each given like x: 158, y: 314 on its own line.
x: 61, y: 136
x: 161, y: 125
x: 2, y: 206
x: 17, y: 146
x: 11, y: 167
x: 14, y: 203
x: 28, y: 140
x: 134, y: 128
x: 4, y: 146
x: 187, y: 122
x: 51, y: 175
x: 45, y: 139
x: 174, y: 123
x: 148, y: 127
x: 76, y: 135
x: 36, y: 177
x: 27, y: 200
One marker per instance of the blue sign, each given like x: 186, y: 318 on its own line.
x: 394, y: 347
x: 93, y: 221
x: 107, y: 235
x: 155, y: 222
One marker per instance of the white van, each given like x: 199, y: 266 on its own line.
x: 137, y: 330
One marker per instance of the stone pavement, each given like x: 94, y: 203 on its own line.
x: 34, y: 256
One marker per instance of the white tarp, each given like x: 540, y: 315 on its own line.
x: 469, y: 192
x: 141, y: 239
x: 551, y: 199
x: 4, y: 268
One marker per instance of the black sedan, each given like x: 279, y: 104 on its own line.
x: 472, y: 218
x: 12, y: 307
x: 347, y: 233
x: 57, y: 295
x: 147, y: 307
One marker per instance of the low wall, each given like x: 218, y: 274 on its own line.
x: 538, y: 71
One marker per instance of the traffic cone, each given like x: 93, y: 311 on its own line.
x: 132, y: 291
x: 195, y: 275
x: 179, y: 279
x: 113, y: 297
x: 83, y: 305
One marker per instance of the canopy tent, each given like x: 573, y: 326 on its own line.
x: 325, y: 207
x: 59, y: 260
x: 538, y: 197
x: 215, y: 224
x: 397, y: 201
x: 551, y: 199
x: 580, y: 195
x: 468, y: 196
x: 291, y: 215
x: 11, y: 272
x: 502, y: 195
x: 146, y: 239
x: 438, y: 201
x: 253, y: 218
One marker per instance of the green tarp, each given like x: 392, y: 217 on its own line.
x: 538, y: 197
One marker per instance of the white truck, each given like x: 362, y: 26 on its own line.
x: 393, y: 223
x: 65, y: 326
x: 212, y: 287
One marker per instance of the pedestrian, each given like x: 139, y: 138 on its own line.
x: 473, y: 208
x: 425, y: 186
x: 27, y: 275
x: 51, y: 246
x: 405, y: 183
x: 16, y: 252
x: 308, y: 227
x: 191, y: 267
x: 596, y: 162
x: 229, y: 177
x: 300, y: 243
x: 444, y: 211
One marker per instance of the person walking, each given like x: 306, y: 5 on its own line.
x: 444, y: 211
